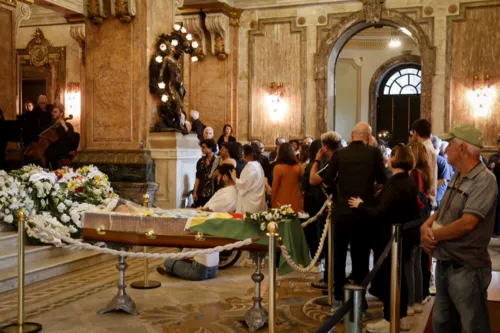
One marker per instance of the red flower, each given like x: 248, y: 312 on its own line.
x: 80, y: 189
x: 59, y: 174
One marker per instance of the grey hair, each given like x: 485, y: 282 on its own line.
x: 331, y: 135
x: 195, y: 114
x: 471, y: 149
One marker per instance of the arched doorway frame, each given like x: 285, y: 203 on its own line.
x: 337, y: 37
x: 378, y: 77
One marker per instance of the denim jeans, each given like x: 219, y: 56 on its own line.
x: 413, y: 274
x: 190, y: 270
x: 461, y: 299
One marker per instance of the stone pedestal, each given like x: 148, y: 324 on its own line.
x: 175, y: 156
x: 135, y: 191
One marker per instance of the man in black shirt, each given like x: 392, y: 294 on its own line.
x: 354, y: 171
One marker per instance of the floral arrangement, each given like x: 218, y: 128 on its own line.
x: 272, y: 215
x: 54, y: 200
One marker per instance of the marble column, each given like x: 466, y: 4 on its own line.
x: 8, y: 79
x: 119, y: 110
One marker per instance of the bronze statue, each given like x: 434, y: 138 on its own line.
x: 166, y: 80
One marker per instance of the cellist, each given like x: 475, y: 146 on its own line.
x: 67, y: 138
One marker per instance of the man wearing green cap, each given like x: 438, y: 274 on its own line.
x: 458, y: 234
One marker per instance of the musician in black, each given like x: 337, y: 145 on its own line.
x: 68, y: 139
x: 43, y: 113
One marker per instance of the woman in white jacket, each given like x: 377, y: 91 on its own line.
x: 250, y: 185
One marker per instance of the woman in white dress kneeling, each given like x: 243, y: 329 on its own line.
x: 250, y: 185
x: 205, y: 266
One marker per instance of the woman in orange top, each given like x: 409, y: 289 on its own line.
x: 286, y: 180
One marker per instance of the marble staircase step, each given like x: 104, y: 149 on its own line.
x: 8, y: 239
x: 32, y: 253
x: 50, y: 266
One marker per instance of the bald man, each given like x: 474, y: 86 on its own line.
x: 353, y: 171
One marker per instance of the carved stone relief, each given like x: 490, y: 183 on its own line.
x: 373, y: 10
x: 96, y: 10
x: 23, y: 13
x: 38, y: 49
x: 123, y: 9
x: 47, y: 61
x: 194, y: 24
x: 218, y: 26
x: 78, y: 34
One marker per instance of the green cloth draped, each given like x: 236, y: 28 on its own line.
x: 290, y: 231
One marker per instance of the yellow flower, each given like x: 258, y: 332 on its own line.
x: 72, y: 185
x: 85, y: 169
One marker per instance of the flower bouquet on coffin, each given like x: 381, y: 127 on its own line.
x: 271, y: 215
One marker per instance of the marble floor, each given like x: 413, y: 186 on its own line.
x: 69, y: 303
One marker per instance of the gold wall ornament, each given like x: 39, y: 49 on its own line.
x: 428, y: 10
x: 38, y: 49
x: 125, y: 10
x: 234, y: 17
x: 373, y: 10
x: 94, y: 11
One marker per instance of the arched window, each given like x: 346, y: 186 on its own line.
x: 405, y: 80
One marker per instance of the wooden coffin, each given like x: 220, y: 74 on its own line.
x: 134, y: 229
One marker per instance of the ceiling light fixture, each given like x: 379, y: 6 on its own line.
x: 395, y: 42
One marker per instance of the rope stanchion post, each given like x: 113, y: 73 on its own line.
x: 21, y: 326
x: 353, y: 319
x: 395, y: 277
x: 122, y: 301
x: 256, y: 316
x: 328, y: 301
x: 146, y: 283
x: 272, y: 232
x: 330, y: 255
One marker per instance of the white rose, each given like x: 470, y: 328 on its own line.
x: 65, y: 218
x: 8, y: 219
x: 61, y: 207
x: 7, y: 211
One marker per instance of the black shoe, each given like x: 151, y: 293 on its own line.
x: 321, y: 284
x: 161, y: 270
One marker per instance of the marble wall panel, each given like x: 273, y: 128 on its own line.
x: 471, y: 52
x: 7, y: 64
x: 277, y: 53
x: 210, y: 90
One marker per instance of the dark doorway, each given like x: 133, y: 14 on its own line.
x: 398, y: 101
x: 32, y: 88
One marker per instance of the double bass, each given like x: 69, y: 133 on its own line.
x: 36, y: 151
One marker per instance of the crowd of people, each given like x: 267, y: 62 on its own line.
x: 33, y: 126
x: 443, y: 183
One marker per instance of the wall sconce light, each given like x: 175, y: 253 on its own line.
x: 72, y: 99
x: 481, y: 96
x: 275, y: 103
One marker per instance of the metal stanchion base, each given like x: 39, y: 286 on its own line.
x: 323, y: 301
x: 151, y: 284
x: 26, y: 328
x: 120, y: 303
x: 256, y: 318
